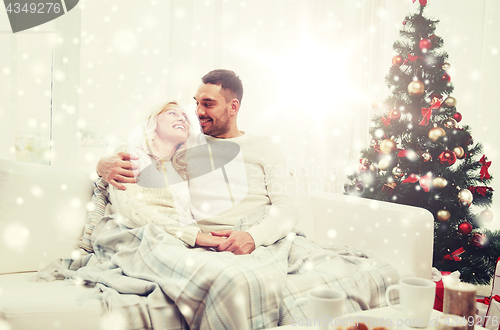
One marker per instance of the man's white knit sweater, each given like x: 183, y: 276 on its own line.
x: 240, y: 181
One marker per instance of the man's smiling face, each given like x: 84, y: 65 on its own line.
x: 212, y: 109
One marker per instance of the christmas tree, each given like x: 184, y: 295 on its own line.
x: 420, y: 155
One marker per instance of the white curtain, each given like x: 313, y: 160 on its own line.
x: 310, y: 68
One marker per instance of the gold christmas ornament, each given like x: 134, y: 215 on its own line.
x: 374, y: 167
x: 416, y: 88
x: 450, y: 123
x: 364, y: 161
x: 397, y: 172
x: 426, y: 157
x: 465, y: 197
x: 439, y: 182
x: 387, y: 146
x: 435, y: 133
x: 450, y: 102
x: 384, y: 164
x: 459, y: 151
x: 446, y: 66
x: 443, y: 215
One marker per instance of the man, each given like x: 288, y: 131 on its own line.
x: 264, y: 182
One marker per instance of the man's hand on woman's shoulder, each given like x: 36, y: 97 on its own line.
x: 118, y: 169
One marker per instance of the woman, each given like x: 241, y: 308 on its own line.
x: 161, y: 195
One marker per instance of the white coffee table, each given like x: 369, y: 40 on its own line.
x: 378, y: 313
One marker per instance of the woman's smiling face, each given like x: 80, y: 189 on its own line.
x: 173, y: 124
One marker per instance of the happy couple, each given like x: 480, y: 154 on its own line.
x: 249, y: 174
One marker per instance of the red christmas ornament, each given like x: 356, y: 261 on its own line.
x: 403, y: 153
x: 465, y: 228
x: 397, y: 60
x: 446, y: 77
x: 478, y: 240
x: 422, y: 2
x: 425, y: 44
x: 404, y: 22
x: 447, y: 156
x: 395, y: 114
x: 363, y: 168
x: 457, y: 116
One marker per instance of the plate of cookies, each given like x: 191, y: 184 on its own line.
x: 362, y: 323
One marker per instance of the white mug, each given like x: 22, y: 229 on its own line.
x: 416, y: 299
x: 324, y: 305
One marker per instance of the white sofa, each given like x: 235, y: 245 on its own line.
x: 42, y: 213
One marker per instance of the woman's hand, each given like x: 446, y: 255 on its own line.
x: 207, y: 240
x: 117, y: 169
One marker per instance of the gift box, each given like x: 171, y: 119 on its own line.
x: 481, y: 309
x: 491, y: 320
x: 495, y: 288
x: 441, y: 278
x: 488, y: 308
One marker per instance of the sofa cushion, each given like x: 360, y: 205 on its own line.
x: 42, y: 213
x: 47, y: 305
x: 99, y: 206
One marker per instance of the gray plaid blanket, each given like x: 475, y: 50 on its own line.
x: 148, y: 279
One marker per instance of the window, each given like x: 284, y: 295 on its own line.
x: 39, y: 96
x: 26, y: 102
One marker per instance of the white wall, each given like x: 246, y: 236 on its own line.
x: 311, y: 69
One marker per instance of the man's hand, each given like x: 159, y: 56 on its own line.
x: 207, y: 240
x: 237, y: 242
x: 117, y: 168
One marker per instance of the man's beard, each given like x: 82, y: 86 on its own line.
x: 221, y: 127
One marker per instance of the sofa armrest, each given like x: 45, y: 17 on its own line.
x: 400, y: 234
x: 42, y: 214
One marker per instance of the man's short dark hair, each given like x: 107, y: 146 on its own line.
x: 230, y: 83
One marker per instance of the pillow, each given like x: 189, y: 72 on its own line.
x: 98, y: 207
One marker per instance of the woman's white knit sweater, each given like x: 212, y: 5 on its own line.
x: 157, y: 199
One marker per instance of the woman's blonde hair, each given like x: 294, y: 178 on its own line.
x: 149, y: 128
